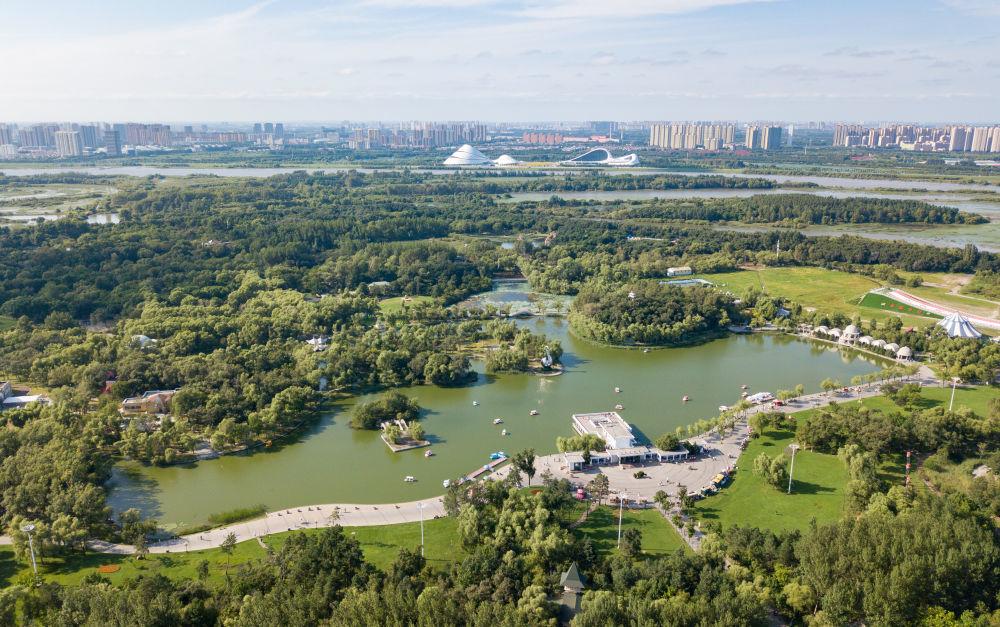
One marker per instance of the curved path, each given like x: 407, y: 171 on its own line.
x: 721, y: 453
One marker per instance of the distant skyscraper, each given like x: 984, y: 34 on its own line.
x: 257, y: 129
x: 113, y: 143
x: 981, y: 139
x: 88, y: 134
x: 268, y: 128
x: 770, y: 138
x: 6, y: 135
x: 68, y: 143
x: 753, y: 137
x: 279, y: 130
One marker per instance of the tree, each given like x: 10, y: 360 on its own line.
x: 632, y: 542
x: 228, y: 546
x: 202, y: 570
x: 141, y: 547
x: 599, y: 487
x: 524, y: 461
x: 416, y: 431
x: 827, y: 385
x: 393, y: 433
x: 667, y: 442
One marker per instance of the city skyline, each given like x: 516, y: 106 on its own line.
x: 306, y: 60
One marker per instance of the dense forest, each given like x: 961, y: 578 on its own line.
x: 215, y: 287
x: 802, y: 209
x: 650, y: 314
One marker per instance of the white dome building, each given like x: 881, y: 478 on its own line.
x: 865, y: 339
x: 467, y: 155
x: 957, y: 325
x: 904, y: 353
x: 505, y: 161
x: 879, y: 343
x: 892, y: 346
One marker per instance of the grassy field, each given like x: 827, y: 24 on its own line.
x: 817, y: 490
x: 395, y: 304
x: 884, y: 303
x: 380, y: 545
x: 658, y: 536
x: 828, y: 291
x: 73, y: 569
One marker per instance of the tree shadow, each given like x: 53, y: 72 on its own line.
x: 805, y: 487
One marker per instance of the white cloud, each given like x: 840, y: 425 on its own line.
x: 975, y: 7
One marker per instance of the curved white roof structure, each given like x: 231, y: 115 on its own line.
x: 505, y: 160
x: 851, y: 330
x: 892, y: 346
x: 865, y: 339
x: 904, y: 353
x: 602, y: 156
x: 823, y: 329
x: 835, y: 332
x: 879, y: 343
x: 957, y: 325
x: 467, y: 155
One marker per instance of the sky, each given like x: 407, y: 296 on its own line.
x: 500, y: 60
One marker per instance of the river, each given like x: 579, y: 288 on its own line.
x: 330, y: 463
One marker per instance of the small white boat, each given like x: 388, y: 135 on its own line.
x: 723, y: 408
x: 645, y: 350
x: 504, y: 432
x: 744, y: 395
x: 409, y: 479
x: 745, y: 386
x: 446, y: 483
x: 497, y: 421
x: 428, y: 453
x: 619, y: 407
x: 617, y: 390
x: 686, y: 398
x: 475, y: 403
x: 533, y: 412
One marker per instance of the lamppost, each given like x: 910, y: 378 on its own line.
x: 420, y: 506
x: 621, y: 506
x: 31, y: 547
x: 954, y: 382
x: 791, y: 468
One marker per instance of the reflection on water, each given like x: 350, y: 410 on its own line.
x: 330, y: 463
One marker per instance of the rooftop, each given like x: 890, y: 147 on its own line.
x: 605, y: 423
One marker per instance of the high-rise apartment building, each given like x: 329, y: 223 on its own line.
x: 88, y: 134
x: 981, y: 139
x: 770, y: 138
x: 69, y: 143
x: 691, y: 136
x: 753, y: 137
x: 6, y: 134
x: 279, y: 130
x: 112, y: 143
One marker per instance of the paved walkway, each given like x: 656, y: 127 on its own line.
x: 296, y: 518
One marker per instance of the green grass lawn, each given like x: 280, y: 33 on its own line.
x: 884, y: 303
x: 395, y: 304
x: 381, y: 544
x: 828, y: 291
x: 71, y: 568
x: 817, y: 490
x: 975, y: 398
x: 658, y: 536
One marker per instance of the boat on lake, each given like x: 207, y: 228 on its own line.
x: 617, y: 390
x: 446, y: 483
x: 686, y: 398
x: 745, y: 386
x: 409, y: 479
x: 497, y: 421
x: 504, y: 432
x: 475, y: 403
x: 619, y: 407
x: 428, y: 453
x: 533, y: 412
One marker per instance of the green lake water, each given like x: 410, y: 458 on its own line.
x: 330, y: 463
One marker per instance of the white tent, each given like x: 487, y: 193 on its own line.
x: 505, y: 160
x: 467, y: 155
x: 957, y: 325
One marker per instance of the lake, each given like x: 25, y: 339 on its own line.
x: 330, y: 463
